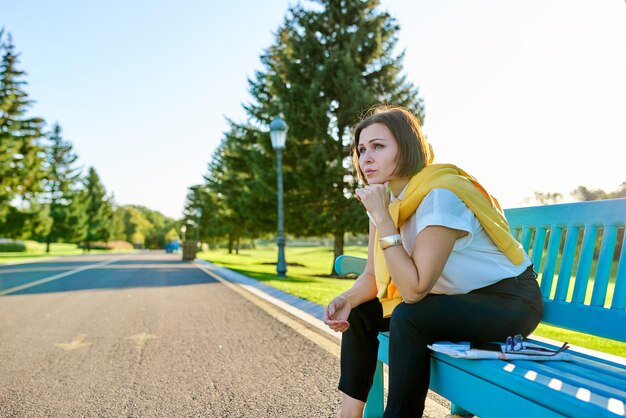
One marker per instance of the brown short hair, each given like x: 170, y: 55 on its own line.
x: 414, y: 150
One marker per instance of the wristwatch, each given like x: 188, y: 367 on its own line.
x: 390, y: 241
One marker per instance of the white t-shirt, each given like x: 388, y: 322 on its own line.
x: 475, y: 260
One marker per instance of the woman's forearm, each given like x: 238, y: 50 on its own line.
x: 363, y: 290
x: 415, y: 275
x: 404, y: 273
x: 400, y: 265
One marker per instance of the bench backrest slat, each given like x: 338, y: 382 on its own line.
x: 605, y: 260
x: 567, y: 261
x: 540, y: 242
x: 584, y: 264
x: 619, y: 293
x: 554, y: 242
x: 593, y: 320
x: 525, y: 238
x: 598, y: 212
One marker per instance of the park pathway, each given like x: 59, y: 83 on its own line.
x: 146, y: 335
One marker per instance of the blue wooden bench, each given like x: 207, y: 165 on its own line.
x: 574, y: 249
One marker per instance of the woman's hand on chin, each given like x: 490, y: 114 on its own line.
x: 375, y: 199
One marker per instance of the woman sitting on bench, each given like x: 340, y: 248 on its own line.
x: 441, y: 265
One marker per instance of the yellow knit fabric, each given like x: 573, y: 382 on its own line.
x: 482, y: 204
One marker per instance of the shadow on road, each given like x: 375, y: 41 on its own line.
x: 121, y: 274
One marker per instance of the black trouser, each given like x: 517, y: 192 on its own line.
x: 508, y: 307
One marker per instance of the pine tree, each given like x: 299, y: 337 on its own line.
x: 20, y: 151
x: 237, y: 182
x: 327, y: 67
x: 99, y: 210
x: 32, y: 222
x: 61, y: 190
x: 71, y: 224
x: 192, y: 220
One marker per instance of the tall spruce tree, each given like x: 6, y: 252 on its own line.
x: 99, y: 210
x: 213, y: 222
x: 327, y: 67
x: 62, y: 186
x: 194, y: 201
x: 20, y: 151
x: 237, y: 180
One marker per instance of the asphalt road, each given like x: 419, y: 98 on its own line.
x: 147, y: 335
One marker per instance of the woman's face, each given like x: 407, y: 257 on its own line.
x: 378, y: 149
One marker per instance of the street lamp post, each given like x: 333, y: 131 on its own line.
x: 278, y: 134
x: 199, y: 216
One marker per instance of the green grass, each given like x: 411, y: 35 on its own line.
x: 307, y: 270
x: 583, y: 340
x: 37, y: 250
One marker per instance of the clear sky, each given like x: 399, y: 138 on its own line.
x: 526, y: 96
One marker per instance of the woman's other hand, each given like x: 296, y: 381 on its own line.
x: 336, y: 314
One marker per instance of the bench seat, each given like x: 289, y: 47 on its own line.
x: 528, y: 388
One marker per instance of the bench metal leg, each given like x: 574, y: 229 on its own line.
x: 375, y: 405
x: 457, y: 410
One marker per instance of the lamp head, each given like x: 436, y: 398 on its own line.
x: 278, y: 133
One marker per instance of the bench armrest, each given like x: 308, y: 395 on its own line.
x: 345, y: 264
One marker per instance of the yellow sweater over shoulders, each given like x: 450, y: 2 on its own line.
x: 484, y: 206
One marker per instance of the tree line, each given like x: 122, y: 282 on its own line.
x: 44, y: 194
x: 581, y: 194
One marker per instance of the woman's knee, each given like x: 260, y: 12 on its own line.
x: 421, y: 318
x: 409, y: 330
x: 425, y: 307
x: 409, y: 314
